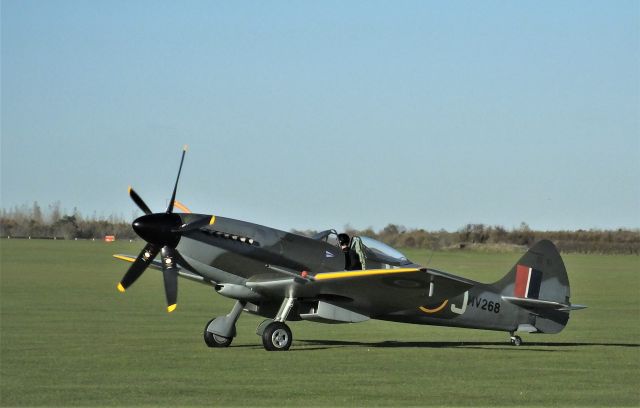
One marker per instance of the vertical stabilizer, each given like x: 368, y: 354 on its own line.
x: 538, y: 282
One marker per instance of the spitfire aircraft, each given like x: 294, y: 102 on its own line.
x: 288, y: 277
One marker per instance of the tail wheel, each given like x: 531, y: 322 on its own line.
x: 277, y: 337
x: 516, y: 340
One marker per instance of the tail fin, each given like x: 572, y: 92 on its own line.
x: 538, y: 282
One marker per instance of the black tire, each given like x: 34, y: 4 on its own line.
x: 516, y: 341
x: 277, y: 337
x: 213, y: 340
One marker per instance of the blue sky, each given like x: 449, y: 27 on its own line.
x: 320, y: 114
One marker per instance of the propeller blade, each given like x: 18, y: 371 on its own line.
x: 139, y: 265
x: 175, y: 187
x: 194, y: 225
x: 170, y: 274
x: 136, y: 199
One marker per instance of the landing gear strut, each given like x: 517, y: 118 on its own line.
x: 276, y: 335
x: 220, y: 331
x: 515, y: 340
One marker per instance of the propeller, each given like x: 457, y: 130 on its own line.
x: 162, y: 232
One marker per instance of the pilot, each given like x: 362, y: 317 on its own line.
x: 351, y: 258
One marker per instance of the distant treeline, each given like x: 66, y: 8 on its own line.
x: 479, y: 236
x: 31, y: 221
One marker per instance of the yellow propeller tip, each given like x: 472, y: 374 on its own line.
x: 171, y: 308
x: 212, y: 220
x: 185, y: 147
x: 120, y: 288
x: 129, y: 189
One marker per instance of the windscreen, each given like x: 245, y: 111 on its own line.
x: 328, y: 236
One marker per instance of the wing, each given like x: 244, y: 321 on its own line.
x: 372, y: 292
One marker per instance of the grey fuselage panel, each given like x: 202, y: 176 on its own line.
x: 245, y: 249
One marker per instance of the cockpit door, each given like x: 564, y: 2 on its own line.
x: 358, y: 247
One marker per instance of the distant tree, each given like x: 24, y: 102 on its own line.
x: 37, y: 214
x: 54, y: 212
x: 498, y: 234
x: 66, y: 227
x: 523, y: 235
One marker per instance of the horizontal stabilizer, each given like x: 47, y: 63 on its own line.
x: 542, y: 304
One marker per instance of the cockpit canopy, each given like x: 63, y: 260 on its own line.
x: 381, y: 253
x: 373, y: 254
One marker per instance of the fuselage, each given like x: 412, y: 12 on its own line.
x: 231, y: 251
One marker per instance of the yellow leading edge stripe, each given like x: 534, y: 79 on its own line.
x: 125, y: 258
x: 370, y: 272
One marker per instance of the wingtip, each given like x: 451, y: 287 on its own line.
x: 171, y: 308
x: 121, y: 288
x: 124, y: 258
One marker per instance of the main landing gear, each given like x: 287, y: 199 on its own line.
x: 275, y: 334
x: 220, y: 331
x: 214, y: 340
x: 515, y: 340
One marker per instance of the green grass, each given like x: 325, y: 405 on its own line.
x: 68, y: 338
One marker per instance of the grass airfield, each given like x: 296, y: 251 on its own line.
x: 68, y: 338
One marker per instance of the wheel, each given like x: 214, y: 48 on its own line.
x: 277, y: 337
x: 213, y: 340
x: 516, y: 340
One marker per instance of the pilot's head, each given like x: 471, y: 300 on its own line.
x: 344, y: 239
